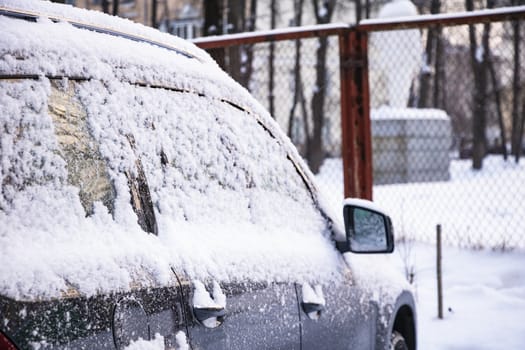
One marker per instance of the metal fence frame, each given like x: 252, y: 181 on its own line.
x: 353, y: 62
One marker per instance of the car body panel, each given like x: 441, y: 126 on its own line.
x: 347, y: 320
x: 88, y: 322
x: 258, y: 316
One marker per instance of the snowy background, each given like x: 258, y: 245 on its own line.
x: 484, y: 297
x: 483, y: 263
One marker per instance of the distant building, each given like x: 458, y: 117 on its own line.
x: 179, y: 17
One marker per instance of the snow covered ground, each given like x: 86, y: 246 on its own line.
x: 483, y: 302
x: 484, y: 286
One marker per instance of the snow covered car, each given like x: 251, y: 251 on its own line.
x: 148, y: 201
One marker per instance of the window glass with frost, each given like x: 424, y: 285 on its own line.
x: 46, y: 142
x: 205, y: 160
x: 227, y: 199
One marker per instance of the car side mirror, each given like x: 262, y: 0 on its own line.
x: 368, y: 229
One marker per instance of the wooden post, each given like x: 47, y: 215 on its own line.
x: 439, y: 277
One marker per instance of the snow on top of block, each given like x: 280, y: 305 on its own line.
x: 398, y: 8
x: 385, y: 112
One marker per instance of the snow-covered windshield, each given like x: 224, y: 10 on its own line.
x: 87, y: 166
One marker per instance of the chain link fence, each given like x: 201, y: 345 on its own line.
x: 444, y: 100
x: 443, y: 129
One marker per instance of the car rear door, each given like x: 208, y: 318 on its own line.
x: 232, y: 210
x: 256, y: 316
x: 238, y: 312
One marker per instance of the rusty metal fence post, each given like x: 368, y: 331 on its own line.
x: 355, y: 115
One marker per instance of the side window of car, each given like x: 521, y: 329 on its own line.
x: 28, y: 156
x: 48, y: 139
x: 85, y: 167
x: 204, y: 159
x: 218, y: 162
x: 215, y: 176
x: 38, y: 149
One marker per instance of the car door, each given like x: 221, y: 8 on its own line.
x: 234, y: 210
x: 344, y: 319
x: 239, y: 312
x: 214, y: 189
x: 256, y: 316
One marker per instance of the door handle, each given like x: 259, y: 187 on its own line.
x: 203, y: 313
x: 312, y: 307
x: 312, y: 310
x: 210, y: 317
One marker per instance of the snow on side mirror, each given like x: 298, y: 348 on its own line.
x: 368, y: 229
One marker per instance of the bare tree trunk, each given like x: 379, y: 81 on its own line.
x: 105, y: 6
x: 306, y: 123
x: 316, y: 155
x: 479, y: 67
x: 298, y: 86
x: 516, y: 92
x: 154, y: 23
x: 424, y: 86
x: 522, y: 122
x: 213, y: 26
x: 520, y: 137
x: 271, y: 60
x: 164, y: 18
x: 299, y: 89
x: 115, y: 7
x: 358, y: 10
x: 236, y: 20
x: 439, y: 69
x: 246, y: 64
x: 497, y: 96
x: 298, y: 15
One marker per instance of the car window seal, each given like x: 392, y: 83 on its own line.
x: 39, y: 76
